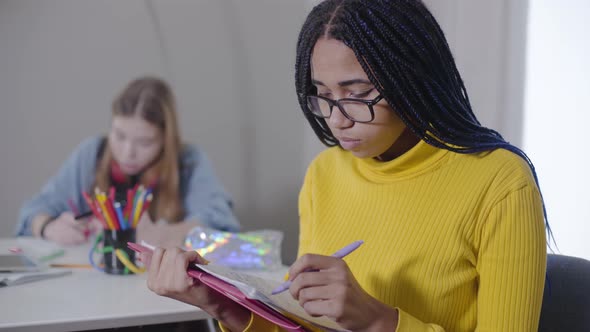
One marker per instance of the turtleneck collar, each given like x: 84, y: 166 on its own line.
x: 419, y: 159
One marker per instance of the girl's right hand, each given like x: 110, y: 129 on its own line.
x: 66, y: 230
x: 167, y: 276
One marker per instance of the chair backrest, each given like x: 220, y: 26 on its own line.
x: 566, y: 301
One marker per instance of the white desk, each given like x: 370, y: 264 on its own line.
x: 87, y: 299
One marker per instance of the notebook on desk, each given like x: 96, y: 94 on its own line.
x: 16, y: 278
x: 254, y: 293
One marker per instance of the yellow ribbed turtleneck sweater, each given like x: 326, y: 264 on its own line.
x: 456, y: 242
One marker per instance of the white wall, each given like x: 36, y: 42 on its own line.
x: 487, y: 39
x: 557, y: 116
x: 231, y: 65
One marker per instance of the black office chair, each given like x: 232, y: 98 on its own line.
x: 566, y: 301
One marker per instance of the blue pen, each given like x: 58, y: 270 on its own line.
x: 338, y: 254
x: 119, y: 213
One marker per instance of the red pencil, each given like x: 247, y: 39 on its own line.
x: 112, y: 194
x: 100, y: 216
x: 111, y: 211
x: 94, y: 209
x: 128, y: 205
x: 90, y: 204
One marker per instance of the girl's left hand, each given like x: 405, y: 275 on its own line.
x: 94, y: 226
x: 325, y: 286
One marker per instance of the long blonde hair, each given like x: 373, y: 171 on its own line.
x: 152, y: 99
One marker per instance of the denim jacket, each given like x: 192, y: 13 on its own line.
x: 204, y: 198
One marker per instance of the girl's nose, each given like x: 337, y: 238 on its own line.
x: 338, y: 119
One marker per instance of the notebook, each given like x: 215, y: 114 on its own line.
x: 39, y: 250
x: 254, y: 293
x: 15, y: 278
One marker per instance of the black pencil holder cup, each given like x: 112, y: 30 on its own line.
x: 113, y: 240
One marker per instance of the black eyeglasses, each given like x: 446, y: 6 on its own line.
x: 357, y: 110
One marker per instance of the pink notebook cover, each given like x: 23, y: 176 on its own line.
x: 234, y: 294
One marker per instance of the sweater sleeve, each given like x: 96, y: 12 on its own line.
x: 407, y: 323
x: 511, y: 264
x: 75, y: 175
x: 305, y: 211
x: 205, y: 199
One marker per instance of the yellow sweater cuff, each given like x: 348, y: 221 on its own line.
x: 224, y: 329
x: 409, y: 323
x: 256, y: 323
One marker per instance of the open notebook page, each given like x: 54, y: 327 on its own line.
x: 261, y: 289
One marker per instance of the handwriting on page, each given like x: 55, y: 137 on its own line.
x: 253, y: 287
x: 261, y: 289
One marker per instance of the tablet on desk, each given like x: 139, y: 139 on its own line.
x: 17, y: 263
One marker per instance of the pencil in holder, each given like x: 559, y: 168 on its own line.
x: 117, y: 256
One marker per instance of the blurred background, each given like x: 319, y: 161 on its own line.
x: 231, y: 66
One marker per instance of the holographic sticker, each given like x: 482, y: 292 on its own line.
x: 260, y: 250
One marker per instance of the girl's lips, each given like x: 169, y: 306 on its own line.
x: 349, y: 143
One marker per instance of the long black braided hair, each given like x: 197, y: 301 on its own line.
x: 405, y: 54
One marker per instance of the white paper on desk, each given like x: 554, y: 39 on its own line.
x: 261, y: 289
x: 39, y: 250
x: 11, y: 279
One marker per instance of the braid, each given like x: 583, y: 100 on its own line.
x: 312, y: 29
x: 406, y: 56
